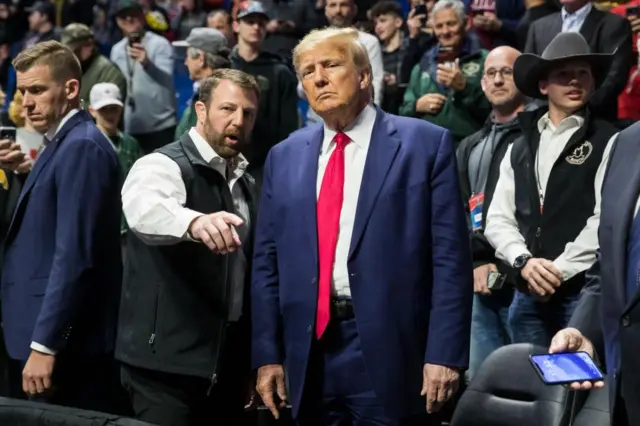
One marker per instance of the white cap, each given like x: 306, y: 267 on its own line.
x: 104, y: 94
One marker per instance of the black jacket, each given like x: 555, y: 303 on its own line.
x: 605, y: 33
x: 482, y: 251
x: 176, y: 298
x: 278, y: 110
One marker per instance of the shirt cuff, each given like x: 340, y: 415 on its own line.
x: 184, y: 217
x: 514, y: 251
x: 565, y: 268
x: 41, y: 348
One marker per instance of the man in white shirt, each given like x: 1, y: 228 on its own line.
x: 543, y: 219
x: 190, y: 207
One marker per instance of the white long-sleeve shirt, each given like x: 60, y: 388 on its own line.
x: 502, y: 230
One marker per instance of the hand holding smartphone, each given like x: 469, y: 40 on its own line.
x: 566, y: 368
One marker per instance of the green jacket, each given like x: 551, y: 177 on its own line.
x: 464, y: 112
x: 189, y: 119
x: 99, y: 69
x: 129, y: 152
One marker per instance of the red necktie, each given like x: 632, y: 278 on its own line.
x: 328, y: 218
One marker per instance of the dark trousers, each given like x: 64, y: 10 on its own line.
x: 149, y: 142
x: 338, y: 390
x: 86, y: 382
x: 166, y: 399
x: 532, y: 321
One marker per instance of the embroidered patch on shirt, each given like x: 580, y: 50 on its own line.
x: 580, y: 154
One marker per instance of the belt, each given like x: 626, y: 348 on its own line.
x: 342, y: 309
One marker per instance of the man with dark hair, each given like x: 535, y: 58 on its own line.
x: 191, y: 209
x: 206, y: 51
x: 62, y: 267
x: 146, y: 60
x: 387, y: 16
x: 222, y: 21
x: 42, y: 24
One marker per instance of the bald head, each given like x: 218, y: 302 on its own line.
x: 497, y: 81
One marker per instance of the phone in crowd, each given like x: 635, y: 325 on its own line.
x: 8, y: 133
x: 421, y: 9
x: 495, y: 280
x: 633, y: 11
x: 134, y: 38
x: 564, y: 368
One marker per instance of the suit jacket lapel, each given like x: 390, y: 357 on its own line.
x: 44, y: 159
x: 590, y: 24
x: 308, y: 179
x: 382, y: 152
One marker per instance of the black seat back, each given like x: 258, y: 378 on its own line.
x: 15, y: 412
x: 506, y: 391
x: 595, y: 410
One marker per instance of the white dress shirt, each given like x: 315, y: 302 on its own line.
x: 48, y: 137
x: 355, y: 157
x: 154, y: 198
x: 572, y: 22
x: 502, y: 227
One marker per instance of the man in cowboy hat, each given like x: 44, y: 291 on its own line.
x: 541, y: 220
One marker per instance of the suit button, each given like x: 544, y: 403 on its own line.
x: 626, y: 322
x: 314, y: 280
x: 352, y: 275
x: 309, y: 328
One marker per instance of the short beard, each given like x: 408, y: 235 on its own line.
x: 216, y: 141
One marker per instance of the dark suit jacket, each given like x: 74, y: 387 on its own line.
x: 409, y: 261
x: 62, y: 267
x: 604, y: 314
x: 605, y: 32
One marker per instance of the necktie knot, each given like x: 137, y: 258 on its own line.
x: 341, y: 140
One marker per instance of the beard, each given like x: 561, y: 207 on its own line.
x: 223, y: 148
x: 341, y: 21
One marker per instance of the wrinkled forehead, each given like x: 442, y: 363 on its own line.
x: 323, y: 52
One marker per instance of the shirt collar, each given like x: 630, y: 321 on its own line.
x: 359, y: 131
x: 51, y: 133
x: 580, y: 13
x: 238, y: 163
x: 568, y: 123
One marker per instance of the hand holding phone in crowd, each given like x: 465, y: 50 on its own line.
x: 572, y: 340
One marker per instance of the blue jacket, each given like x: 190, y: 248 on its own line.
x: 62, y: 270
x: 409, y: 262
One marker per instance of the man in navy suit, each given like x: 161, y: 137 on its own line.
x: 61, y: 275
x: 362, y: 277
x: 607, y: 318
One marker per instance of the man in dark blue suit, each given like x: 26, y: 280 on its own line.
x: 61, y: 275
x: 362, y: 277
x: 607, y: 318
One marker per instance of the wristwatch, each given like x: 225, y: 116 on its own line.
x: 521, y: 261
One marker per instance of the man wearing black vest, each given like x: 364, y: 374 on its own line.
x: 184, y: 330
x: 543, y: 218
x: 607, y: 319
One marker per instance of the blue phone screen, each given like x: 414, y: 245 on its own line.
x: 567, y: 367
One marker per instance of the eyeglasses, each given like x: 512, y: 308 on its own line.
x: 506, y: 73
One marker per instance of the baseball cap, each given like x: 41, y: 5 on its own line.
x: 44, y: 7
x: 253, y: 8
x: 208, y: 40
x: 75, y: 34
x: 104, y: 94
x: 131, y: 6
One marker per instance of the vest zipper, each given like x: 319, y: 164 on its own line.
x: 152, y: 338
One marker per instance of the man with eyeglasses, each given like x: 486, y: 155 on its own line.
x: 479, y: 157
x: 544, y: 214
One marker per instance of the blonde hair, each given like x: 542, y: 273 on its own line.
x: 15, y: 110
x: 61, y: 61
x: 345, y: 40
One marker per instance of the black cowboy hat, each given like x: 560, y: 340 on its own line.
x: 529, y: 69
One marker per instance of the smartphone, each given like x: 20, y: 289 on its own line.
x: 134, y: 38
x: 8, y: 133
x: 633, y: 11
x: 495, y: 281
x: 564, y: 368
x: 421, y: 9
